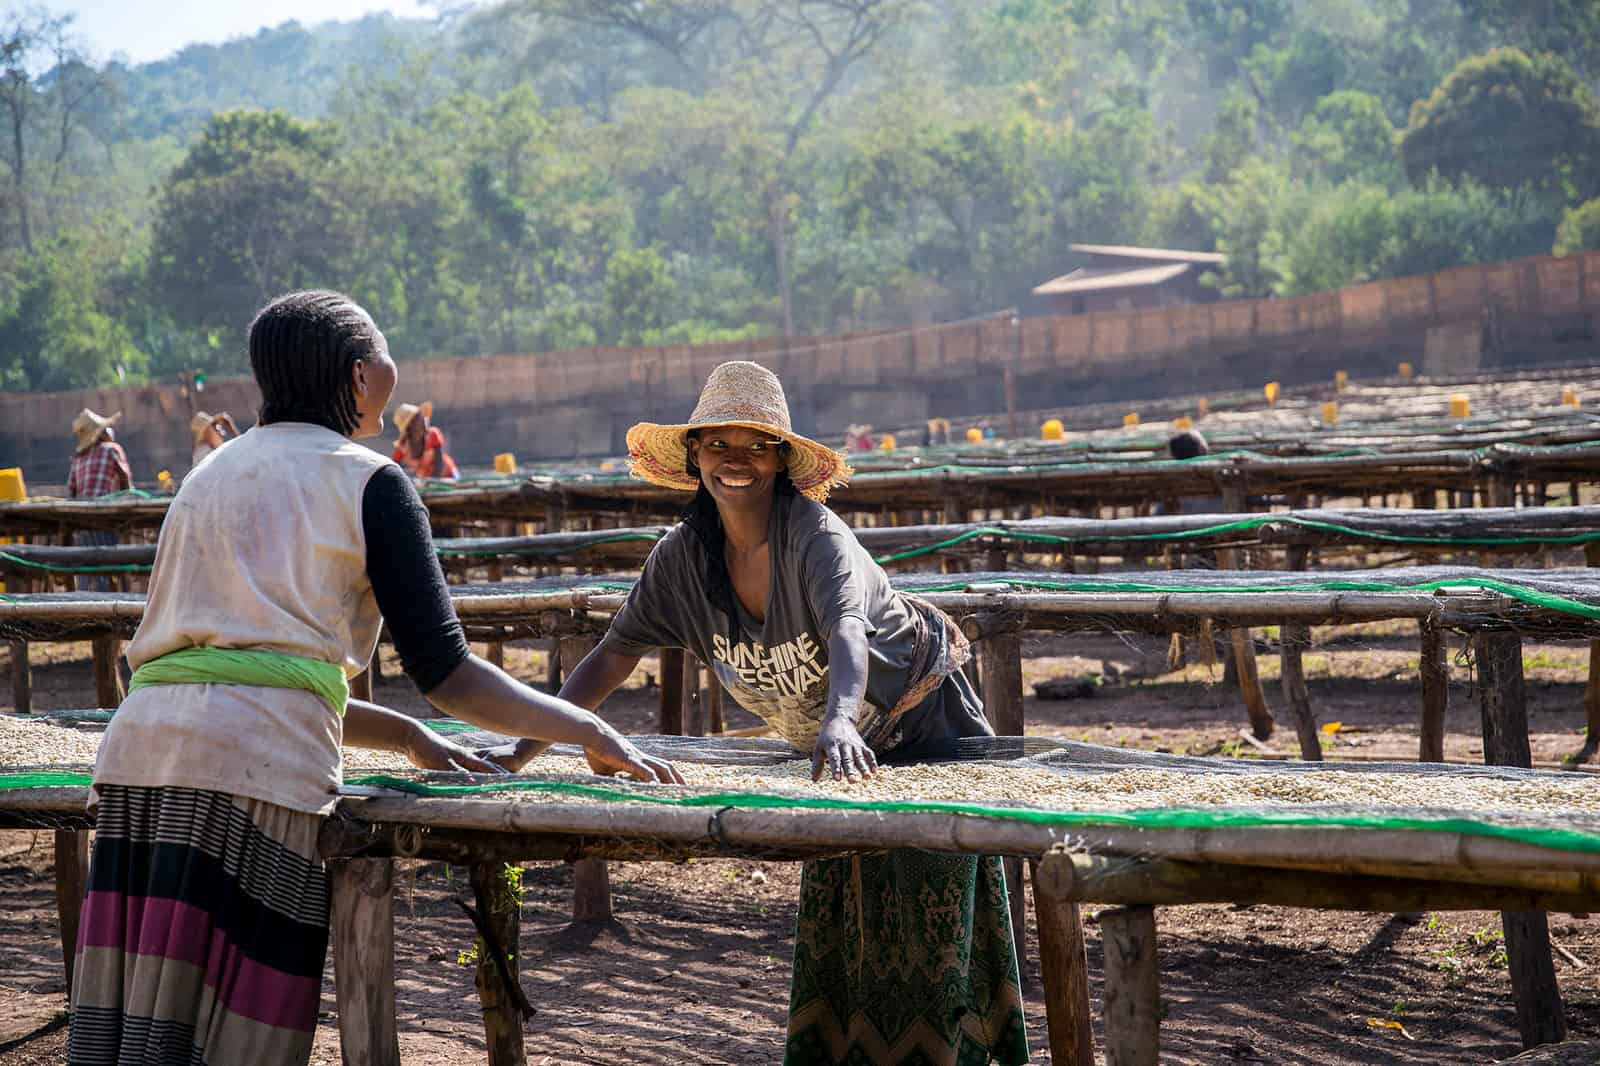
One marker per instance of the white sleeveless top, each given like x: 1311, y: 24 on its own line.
x: 262, y: 548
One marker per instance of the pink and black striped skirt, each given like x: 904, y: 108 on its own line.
x: 203, y: 935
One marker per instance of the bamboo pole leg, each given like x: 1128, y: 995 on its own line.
x: 669, y: 719
x: 1064, y: 967
x: 363, y: 961
x: 496, y: 650
x: 498, y: 891
x: 1133, y: 986
x: 72, y: 880
x: 1000, y: 649
x: 1540, y: 1014
x: 1435, y: 671
x: 21, y: 677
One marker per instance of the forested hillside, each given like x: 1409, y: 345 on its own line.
x: 546, y: 174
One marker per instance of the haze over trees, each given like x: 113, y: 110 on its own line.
x: 546, y: 174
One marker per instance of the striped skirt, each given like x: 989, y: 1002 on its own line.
x: 203, y: 934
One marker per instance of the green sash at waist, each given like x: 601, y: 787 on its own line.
x: 235, y: 666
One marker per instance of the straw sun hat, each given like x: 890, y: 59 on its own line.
x: 88, y: 426
x: 736, y: 394
x: 407, y: 411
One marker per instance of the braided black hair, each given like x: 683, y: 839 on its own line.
x: 302, y: 348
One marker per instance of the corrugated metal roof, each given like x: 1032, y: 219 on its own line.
x: 1086, y: 280
x: 1159, y: 254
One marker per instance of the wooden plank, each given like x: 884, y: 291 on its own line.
x: 1064, y: 967
x: 21, y: 677
x: 1540, y: 1014
x: 363, y: 960
x: 591, y: 881
x: 497, y: 888
x: 72, y: 880
x: 1294, y: 639
x: 693, y: 707
x: 1435, y: 670
x: 1591, y: 693
x: 1133, y: 986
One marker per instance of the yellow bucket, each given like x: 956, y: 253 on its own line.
x: 1341, y: 378
x: 1460, y: 406
x: 1270, y: 390
x: 974, y: 435
x: 12, y: 487
x: 1569, y: 396
x: 1183, y: 422
x: 1330, y: 412
x: 886, y: 443
x: 1406, y: 370
x: 1052, y: 429
x: 1131, y: 418
x: 505, y: 463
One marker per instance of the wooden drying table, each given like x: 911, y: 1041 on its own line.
x: 1369, y: 868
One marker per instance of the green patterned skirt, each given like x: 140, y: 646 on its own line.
x: 905, y: 958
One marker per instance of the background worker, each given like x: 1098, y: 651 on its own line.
x: 210, y: 432
x: 420, y: 448
x: 99, y: 468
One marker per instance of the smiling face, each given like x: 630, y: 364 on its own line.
x: 738, y: 466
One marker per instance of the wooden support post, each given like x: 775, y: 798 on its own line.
x: 1064, y: 967
x: 1244, y: 649
x: 496, y: 652
x: 1000, y: 648
x: 1293, y: 640
x: 1540, y: 1015
x: 1133, y: 986
x: 714, y: 719
x: 1435, y: 670
x: 591, y: 881
x: 994, y: 561
x: 497, y: 888
x: 694, y: 724
x: 21, y: 677
x: 363, y: 960
x: 1591, y: 694
x: 669, y: 719
x: 72, y: 881
x: 107, y: 681
x: 552, y: 668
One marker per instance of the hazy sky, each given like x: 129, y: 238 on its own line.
x: 142, y: 30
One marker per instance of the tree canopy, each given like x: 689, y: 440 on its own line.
x: 530, y: 175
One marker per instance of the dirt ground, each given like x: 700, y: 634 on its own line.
x: 697, y: 967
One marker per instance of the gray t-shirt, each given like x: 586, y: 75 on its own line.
x: 778, y: 668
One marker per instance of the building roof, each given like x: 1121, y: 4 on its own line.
x: 1166, y: 255
x: 1086, y: 279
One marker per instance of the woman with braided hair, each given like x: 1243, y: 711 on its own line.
x: 205, y: 927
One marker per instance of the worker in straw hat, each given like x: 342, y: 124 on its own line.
x: 210, y: 432
x: 205, y: 929
x: 772, y: 589
x: 99, y: 468
x: 420, y: 448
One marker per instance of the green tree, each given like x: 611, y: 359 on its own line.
x: 1507, y: 119
x: 1579, y: 230
x: 639, y: 293
x: 55, y: 334
x: 249, y: 213
x: 1348, y: 136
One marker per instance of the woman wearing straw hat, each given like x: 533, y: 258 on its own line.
x: 210, y: 432
x: 420, y: 448
x: 904, y: 950
x: 205, y: 928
